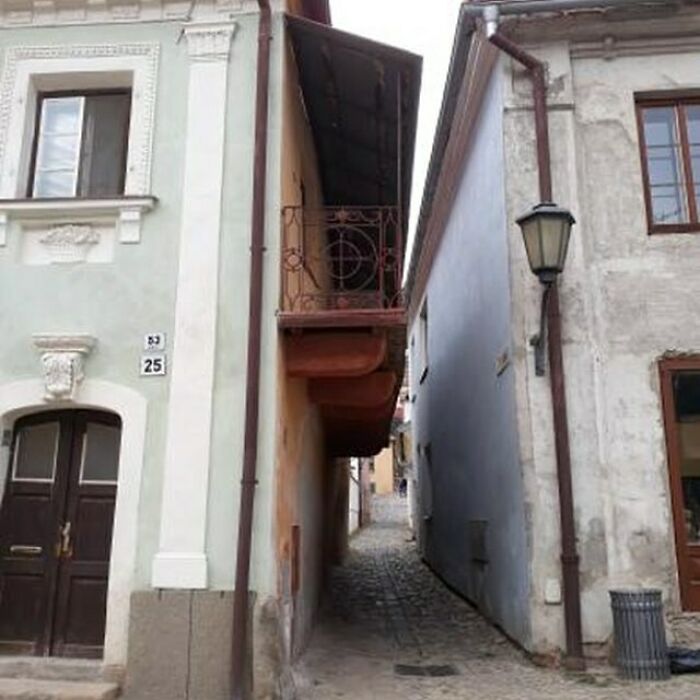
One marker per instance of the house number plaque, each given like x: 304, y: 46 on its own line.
x: 154, y: 342
x: 153, y: 365
x: 153, y: 360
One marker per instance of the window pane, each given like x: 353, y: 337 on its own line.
x: 687, y: 396
x: 664, y: 167
x: 103, y: 158
x: 660, y: 126
x: 58, y: 153
x: 100, y: 453
x: 664, y: 162
x: 58, y: 147
x: 692, y: 115
x: 55, y: 184
x: 61, y: 115
x: 35, y: 452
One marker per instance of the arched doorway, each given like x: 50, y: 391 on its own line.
x: 56, y: 525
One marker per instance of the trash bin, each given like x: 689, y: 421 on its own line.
x: 640, y: 636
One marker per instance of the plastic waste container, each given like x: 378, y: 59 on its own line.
x: 640, y: 635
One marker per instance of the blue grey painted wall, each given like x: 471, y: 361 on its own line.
x: 463, y: 410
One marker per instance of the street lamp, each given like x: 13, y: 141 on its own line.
x: 546, y: 230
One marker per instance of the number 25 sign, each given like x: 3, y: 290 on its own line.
x: 153, y: 365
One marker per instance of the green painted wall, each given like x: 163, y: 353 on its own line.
x: 229, y: 398
x: 120, y: 301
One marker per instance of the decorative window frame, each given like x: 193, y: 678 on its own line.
x: 31, y: 69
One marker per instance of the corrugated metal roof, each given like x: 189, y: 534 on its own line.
x: 351, y: 89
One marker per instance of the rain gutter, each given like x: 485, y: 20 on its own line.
x: 574, y: 658
x: 252, y: 402
x: 524, y: 7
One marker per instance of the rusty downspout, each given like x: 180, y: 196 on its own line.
x: 569, y: 555
x: 252, y: 399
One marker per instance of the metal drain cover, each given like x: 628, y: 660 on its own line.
x: 433, y: 671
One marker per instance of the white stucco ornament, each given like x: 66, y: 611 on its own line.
x: 209, y: 42
x: 62, y: 359
x: 70, y: 243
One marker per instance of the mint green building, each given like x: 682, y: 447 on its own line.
x: 127, y: 153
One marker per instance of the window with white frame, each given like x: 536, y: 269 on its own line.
x: 80, y: 144
x: 76, y: 143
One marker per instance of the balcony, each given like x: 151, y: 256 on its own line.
x: 342, y: 307
x: 348, y: 145
x: 340, y: 261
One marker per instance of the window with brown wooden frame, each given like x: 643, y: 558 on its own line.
x: 80, y: 144
x: 669, y: 135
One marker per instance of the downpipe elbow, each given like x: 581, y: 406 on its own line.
x: 491, y: 16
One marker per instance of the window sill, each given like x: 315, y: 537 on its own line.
x: 664, y: 229
x: 126, y: 214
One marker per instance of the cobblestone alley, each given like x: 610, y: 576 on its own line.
x: 386, y: 609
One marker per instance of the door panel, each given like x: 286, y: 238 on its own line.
x: 28, y: 527
x: 83, y: 606
x: 680, y: 380
x: 22, y: 611
x: 84, y: 568
x: 56, y: 532
x: 92, y: 538
x: 695, y: 566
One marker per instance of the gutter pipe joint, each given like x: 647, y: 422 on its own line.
x: 491, y: 15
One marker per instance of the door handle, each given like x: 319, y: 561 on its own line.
x: 64, y: 547
x: 26, y: 549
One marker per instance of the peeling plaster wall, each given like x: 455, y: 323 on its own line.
x: 301, y: 462
x: 627, y: 298
x: 301, y: 481
x: 464, y: 416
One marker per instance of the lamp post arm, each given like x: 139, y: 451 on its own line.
x: 538, y: 341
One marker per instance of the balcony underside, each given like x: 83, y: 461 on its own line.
x: 354, y: 375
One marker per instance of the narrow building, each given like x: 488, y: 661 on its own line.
x: 202, y: 216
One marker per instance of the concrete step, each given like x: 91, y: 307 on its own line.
x: 51, y: 668
x: 32, y: 689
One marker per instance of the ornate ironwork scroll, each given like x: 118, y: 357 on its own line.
x: 340, y: 258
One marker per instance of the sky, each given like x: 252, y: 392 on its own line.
x: 426, y: 29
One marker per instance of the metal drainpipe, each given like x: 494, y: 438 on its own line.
x: 250, y: 445
x: 569, y: 556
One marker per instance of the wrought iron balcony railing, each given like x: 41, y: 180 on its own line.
x: 341, y: 258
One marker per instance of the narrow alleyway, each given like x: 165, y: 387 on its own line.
x: 386, y: 616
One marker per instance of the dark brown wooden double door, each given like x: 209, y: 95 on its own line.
x: 56, y: 533
x: 680, y: 383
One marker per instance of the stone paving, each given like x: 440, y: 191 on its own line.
x: 385, y: 608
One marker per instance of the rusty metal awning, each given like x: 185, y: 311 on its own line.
x: 361, y: 98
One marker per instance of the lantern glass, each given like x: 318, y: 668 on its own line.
x: 546, y: 231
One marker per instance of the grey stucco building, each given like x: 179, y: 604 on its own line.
x: 621, y: 89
